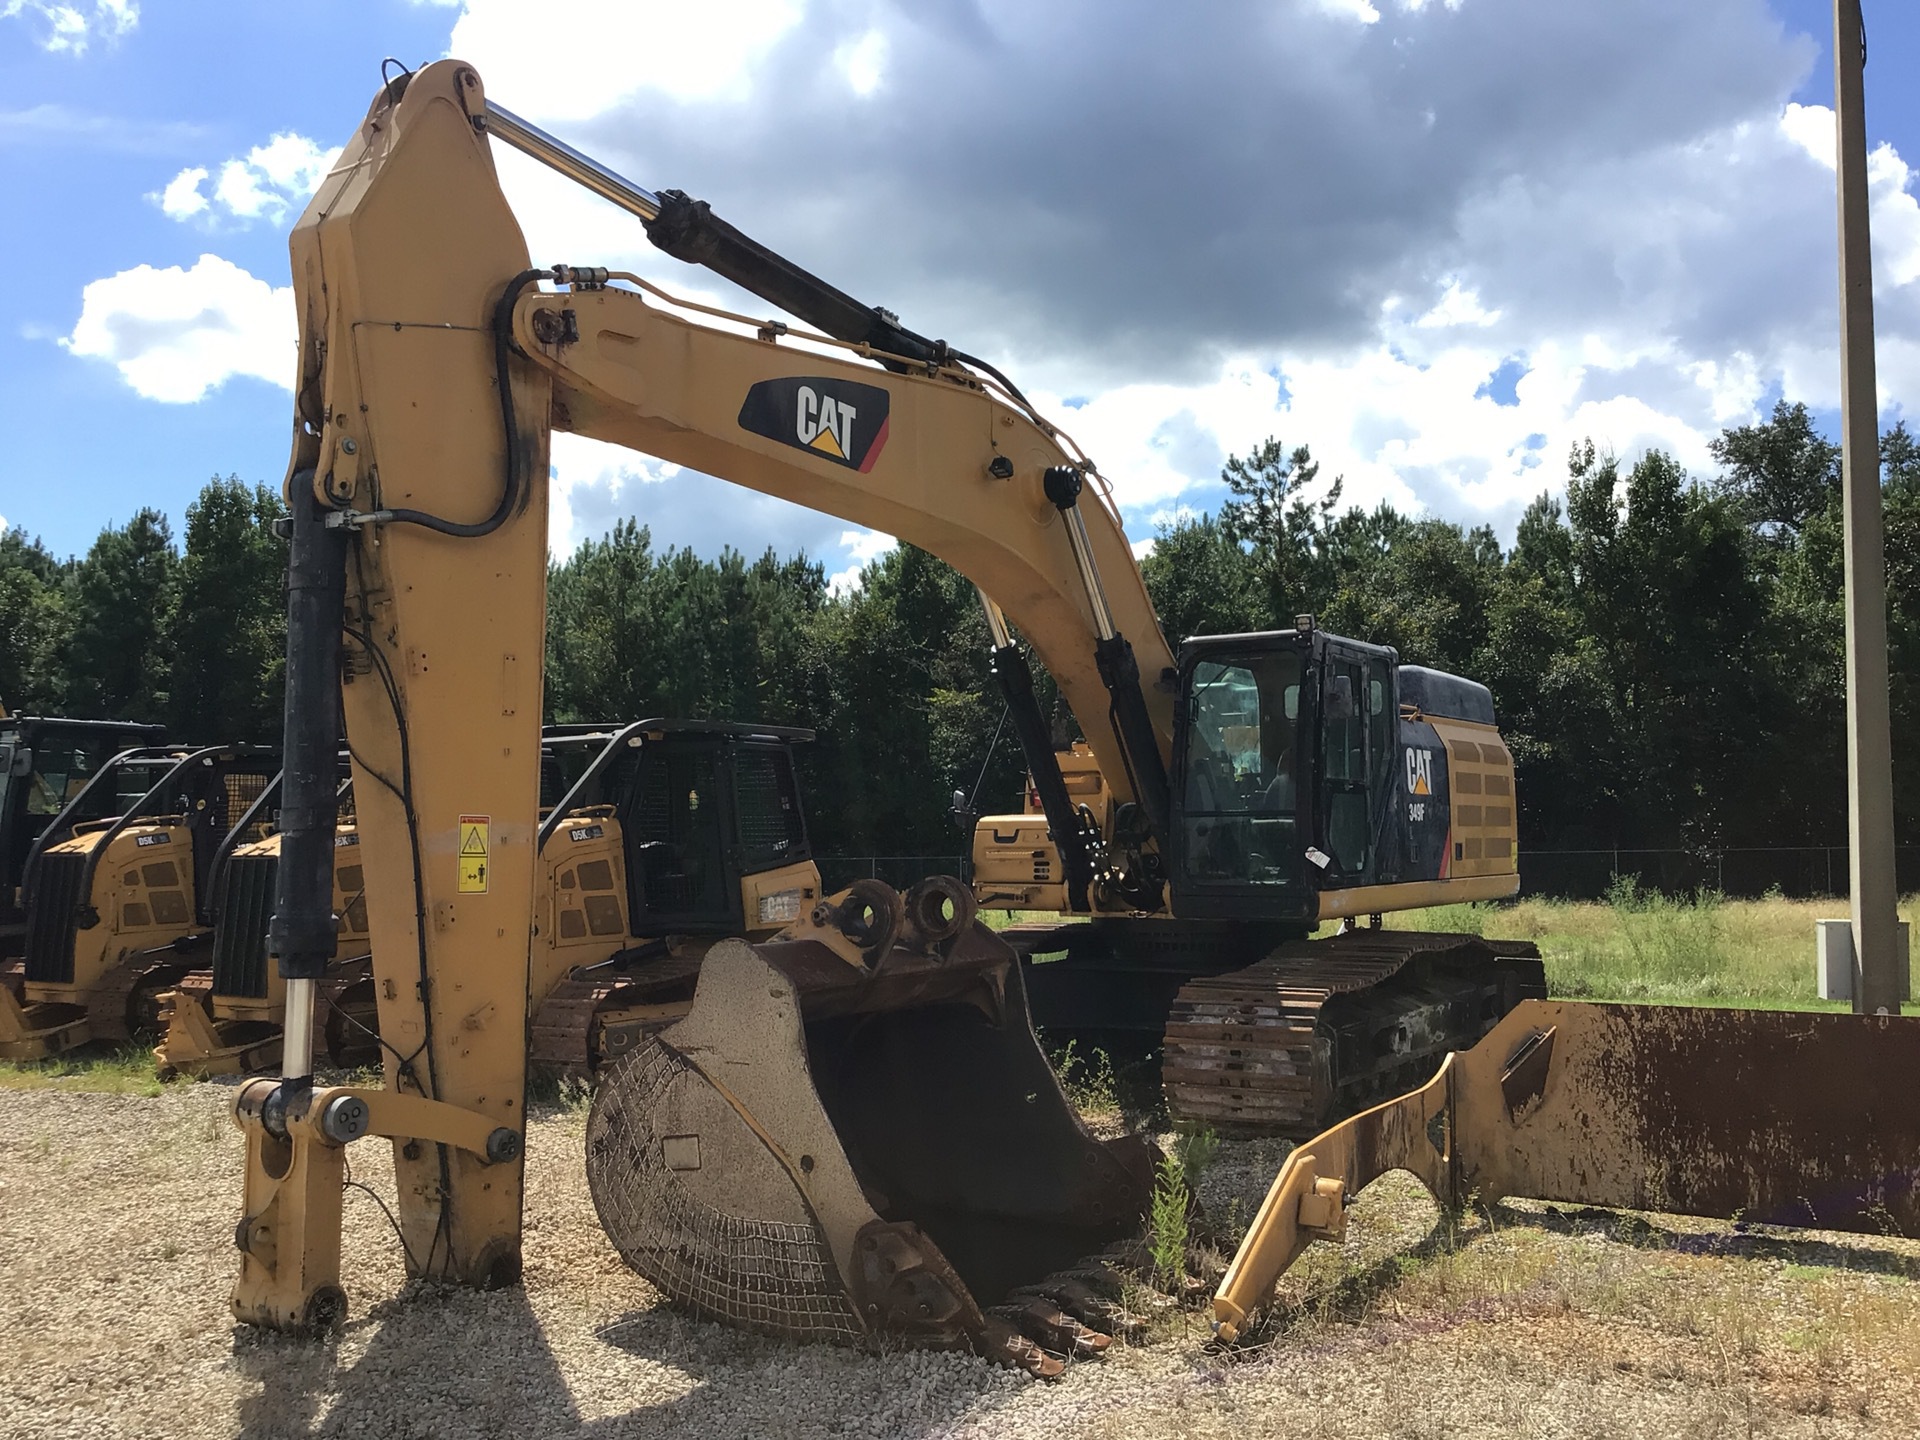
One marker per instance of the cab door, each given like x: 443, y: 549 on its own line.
x: 676, y: 825
x: 1357, y: 725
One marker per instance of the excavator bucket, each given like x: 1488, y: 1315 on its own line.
x: 1770, y: 1117
x: 826, y: 1151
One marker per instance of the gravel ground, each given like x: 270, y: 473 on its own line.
x: 116, y: 1218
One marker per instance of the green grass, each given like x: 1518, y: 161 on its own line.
x: 1704, y: 950
x: 128, y: 1070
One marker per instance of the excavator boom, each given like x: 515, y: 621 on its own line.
x: 790, y: 1095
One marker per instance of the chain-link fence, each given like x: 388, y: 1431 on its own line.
x: 1800, y: 871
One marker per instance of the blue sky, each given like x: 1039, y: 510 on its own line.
x: 1437, y: 239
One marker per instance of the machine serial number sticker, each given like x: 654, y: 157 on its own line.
x: 587, y: 832
x: 473, y: 853
x: 838, y: 420
x: 153, y: 840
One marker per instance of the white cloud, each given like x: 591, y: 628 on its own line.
x: 1811, y: 128
x: 862, y: 547
x: 863, y: 62
x: 1458, y: 306
x: 177, y: 334
x: 182, y: 198
x: 1359, y: 10
x: 264, y: 185
x: 686, y: 52
x: 71, y: 27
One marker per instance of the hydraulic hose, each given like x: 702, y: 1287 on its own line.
x: 513, y: 486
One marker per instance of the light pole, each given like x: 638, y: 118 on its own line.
x: 1869, y: 747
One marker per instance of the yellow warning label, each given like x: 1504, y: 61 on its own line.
x: 473, y: 853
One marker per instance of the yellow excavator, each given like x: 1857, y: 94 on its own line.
x: 850, y: 1133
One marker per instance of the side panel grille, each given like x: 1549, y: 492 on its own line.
x: 50, y: 919
x: 240, y: 935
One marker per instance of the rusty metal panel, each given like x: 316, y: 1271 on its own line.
x: 1769, y: 1116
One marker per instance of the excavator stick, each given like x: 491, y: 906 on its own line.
x: 1769, y: 1117
x: 796, y: 1157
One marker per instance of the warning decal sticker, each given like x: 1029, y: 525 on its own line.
x: 473, y: 853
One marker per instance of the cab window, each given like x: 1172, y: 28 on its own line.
x: 1240, y: 787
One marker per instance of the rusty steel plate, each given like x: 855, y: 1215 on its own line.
x: 1773, y: 1117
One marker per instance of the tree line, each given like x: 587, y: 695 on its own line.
x: 1664, y: 650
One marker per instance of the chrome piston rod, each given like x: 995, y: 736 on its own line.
x: 530, y: 139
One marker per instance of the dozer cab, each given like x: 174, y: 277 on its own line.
x: 851, y: 1133
x: 45, y: 761
x: 116, y: 894
x: 675, y: 834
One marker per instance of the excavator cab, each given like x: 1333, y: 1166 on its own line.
x: 1287, y: 779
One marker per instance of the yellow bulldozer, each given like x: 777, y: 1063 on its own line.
x: 851, y: 1133
x: 635, y: 883
x: 116, y: 894
x: 225, y: 1017
x: 45, y: 762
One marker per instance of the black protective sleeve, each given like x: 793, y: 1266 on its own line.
x: 301, y: 934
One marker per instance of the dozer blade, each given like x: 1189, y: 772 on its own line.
x: 1769, y: 1117
x: 819, y: 1153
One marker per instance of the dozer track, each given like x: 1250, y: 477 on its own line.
x: 597, y: 1015
x: 1321, y: 1028
x: 345, y: 1026
x: 129, y: 1001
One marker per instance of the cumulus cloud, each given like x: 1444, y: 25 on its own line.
x: 70, y: 28
x: 1390, y: 230
x: 664, y: 48
x: 177, y: 334
x: 862, y: 548
x: 265, y: 184
x: 1393, y: 229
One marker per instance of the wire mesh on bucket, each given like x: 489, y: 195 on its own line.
x: 774, y: 1276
